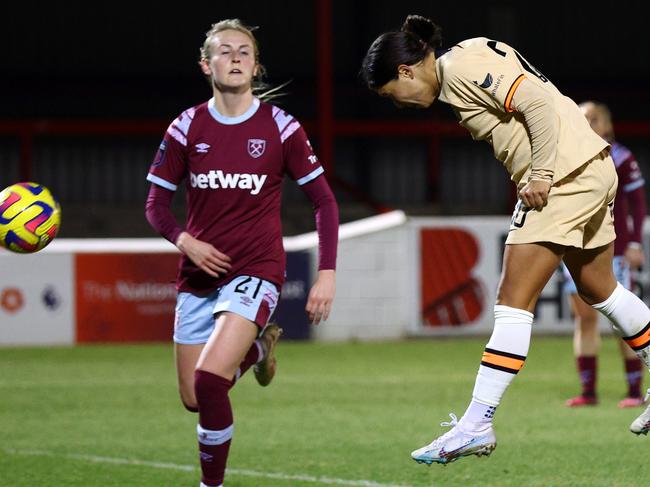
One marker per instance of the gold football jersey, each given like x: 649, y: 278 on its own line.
x: 479, y: 78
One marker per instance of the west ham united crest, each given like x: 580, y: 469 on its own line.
x: 256, y: 147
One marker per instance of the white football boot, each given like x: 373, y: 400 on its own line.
x: 456, y: 443
x: 641, y: 425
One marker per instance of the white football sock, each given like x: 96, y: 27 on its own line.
x: 478, y: 414
x: 504, y: 356
x: 630, y: 318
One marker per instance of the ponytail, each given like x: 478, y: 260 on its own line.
x: 424, y: 29
x: 417, y: 37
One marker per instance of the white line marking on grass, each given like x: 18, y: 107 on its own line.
x: 92, y: 382
x: 98, y: 459
x: 191, y: 468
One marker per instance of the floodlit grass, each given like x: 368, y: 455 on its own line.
x: 348, y: 414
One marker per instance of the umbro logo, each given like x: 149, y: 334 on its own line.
x: 202, y: 147
x: 486, y: 82
x: 206, y: 457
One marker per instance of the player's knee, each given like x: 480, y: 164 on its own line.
x: 596, y: 290
x: 509, y: 294
x: 208, y: 385
x: 188, y: 398
x: 512, y: 300
x: 590, y: 297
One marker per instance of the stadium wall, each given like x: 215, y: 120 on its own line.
x: 373, y: 294
x: 396, y: 277
x: 427, y: 277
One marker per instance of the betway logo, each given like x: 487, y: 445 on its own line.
x: 217, y: 179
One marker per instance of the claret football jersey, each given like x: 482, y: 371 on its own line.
x: 479, y: 78
x: 233, y: 168
x: 629, y: 179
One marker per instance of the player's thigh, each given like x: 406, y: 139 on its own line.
x: 243, y: 308
x: 231, y: 339
x: 526, y: 270
x: 194, y: 318
x: 193, y: 325
x: 187, y: 356
x: 592, y: 272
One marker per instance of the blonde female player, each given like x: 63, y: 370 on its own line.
x: 566, y: 184
x: 233, y: 152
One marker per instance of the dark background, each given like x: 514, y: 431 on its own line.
x: 137, y: 61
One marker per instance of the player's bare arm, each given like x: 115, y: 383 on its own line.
x: 319, y: 302
x: 204, y: 255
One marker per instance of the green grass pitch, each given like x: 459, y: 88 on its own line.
x: 336, y: 414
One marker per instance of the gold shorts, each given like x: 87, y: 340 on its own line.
x: 580, y: 209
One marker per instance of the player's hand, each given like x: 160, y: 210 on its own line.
x: 535, y: 193
x: 319, y: 303
x: 634, y: 256
x: 204, y: 255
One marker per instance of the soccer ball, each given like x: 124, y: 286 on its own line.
x: 30, y: 217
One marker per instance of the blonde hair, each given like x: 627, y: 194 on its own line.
x: 260, y: 88
x: 605, y: 113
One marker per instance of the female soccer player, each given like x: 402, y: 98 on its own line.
x: 566, y: 184
x: 628, y: 254
x: 233, y: 151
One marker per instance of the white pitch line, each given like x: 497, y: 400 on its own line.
x: 191, y: 468
x: 98, y: 459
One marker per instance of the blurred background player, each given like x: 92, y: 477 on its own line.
x: 566, y: 184
x: 628, y: 255
x: 233, y: 152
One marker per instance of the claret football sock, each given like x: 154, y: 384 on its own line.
x: 191, y: 409
x: 633, y: 376
x: 588, y: 371
x: 215, y: 428
x: 253, y: 356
